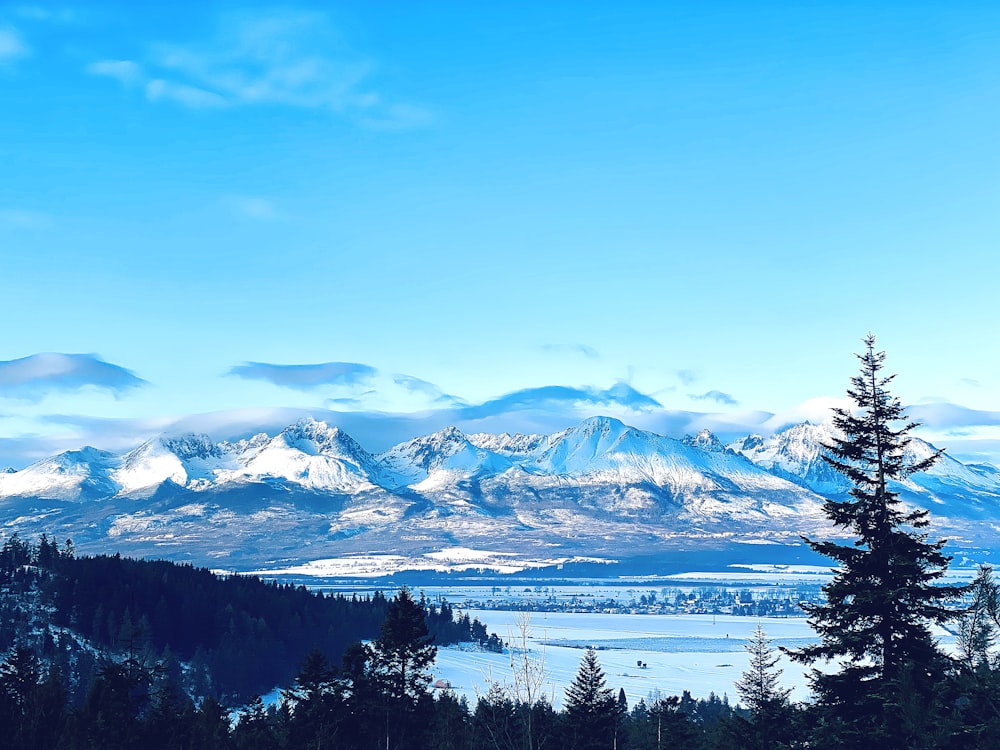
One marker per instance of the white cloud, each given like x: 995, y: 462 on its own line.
x: 126, y: 72
x: 397, y: 117
x: 190, y: 96
x: 34, y: 376
x: 11, y: 45
x: 815, y: 410
x: 290, y: 59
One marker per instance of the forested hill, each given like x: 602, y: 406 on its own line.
x: 237, y: 635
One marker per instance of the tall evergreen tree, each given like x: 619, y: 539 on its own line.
x: 979, y: 628
x: 758, y: 686
x: 591, y: 706
x: 317, y: 702
x: 404, y: 650
x: 886, y: 593
x: 400, y: 659
x: 762, y: 696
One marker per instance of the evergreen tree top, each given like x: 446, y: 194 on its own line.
x: 885, y: 594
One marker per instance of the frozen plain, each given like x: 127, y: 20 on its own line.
x: 699, y: 653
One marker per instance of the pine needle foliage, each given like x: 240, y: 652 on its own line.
x: 591, y: 706
x: 886, y: 593
x: 404, y: 651
x: 758, y: 686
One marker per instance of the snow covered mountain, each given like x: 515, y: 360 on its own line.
x: 600, y: 488
x: 73, y: 475
x: 795, y: 453
x: 949, y: 487
x: 441, y: 457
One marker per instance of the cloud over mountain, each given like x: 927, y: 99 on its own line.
x: 717, y: 396
x: 38, y: 374
x: 305, y: 377
x: 943, y: 415
x: 620, y: 394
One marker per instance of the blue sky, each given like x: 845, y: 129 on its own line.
x: 398, y: 216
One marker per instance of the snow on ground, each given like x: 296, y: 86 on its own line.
x: 743, y: 573
x: 699, y: 653
x: 450, y: 559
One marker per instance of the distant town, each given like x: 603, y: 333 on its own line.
x: 705, y: 600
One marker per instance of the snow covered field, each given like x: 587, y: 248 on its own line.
x: 700, y: 653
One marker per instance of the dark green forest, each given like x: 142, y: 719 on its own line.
x: 240, y: 634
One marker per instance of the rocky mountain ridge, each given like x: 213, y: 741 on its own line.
x: 600, y: 488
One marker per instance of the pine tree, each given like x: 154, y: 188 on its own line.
x: 591, y: 706
x: 400, y: 658
x: 886, y: 593
x: 404, y: 650
x: 758, y: 685
x: 317, y: 703
x: 760, y: 693
x: 980, y: 624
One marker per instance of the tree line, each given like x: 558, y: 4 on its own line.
x: 236, y: 636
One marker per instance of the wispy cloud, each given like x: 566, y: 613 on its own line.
x: 305, y: 377
x: 425, y: 388
x: 717, y: 396
x: 288, y: 59
x: 688, y: 377
x: 393, y: 117
x: 12, y: 46
x: 947, y: 416
x: 545, y: 409
x: 555, y: 396
x: 34, y: 376
x: 126, y: 72
x: 159, y: 89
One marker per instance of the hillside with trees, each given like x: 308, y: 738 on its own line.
x: 236, y: 635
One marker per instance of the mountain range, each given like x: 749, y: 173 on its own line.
x: 599, y: 490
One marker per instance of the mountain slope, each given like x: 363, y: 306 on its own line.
x: 600, y: 488
x: 948, y: 488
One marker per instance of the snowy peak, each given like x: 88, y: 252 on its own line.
x: 447, y: 450
x: 430, y: 451
x: 600, y: 462
x: 797, y: 453
x: 187, y: 447
x: 73, y: 475
x: 506, y: 444
x: 310, y: 454
x: 180, y: 460
x: 576, y: 450
x: 317, y: 438
x: 706, y: 441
